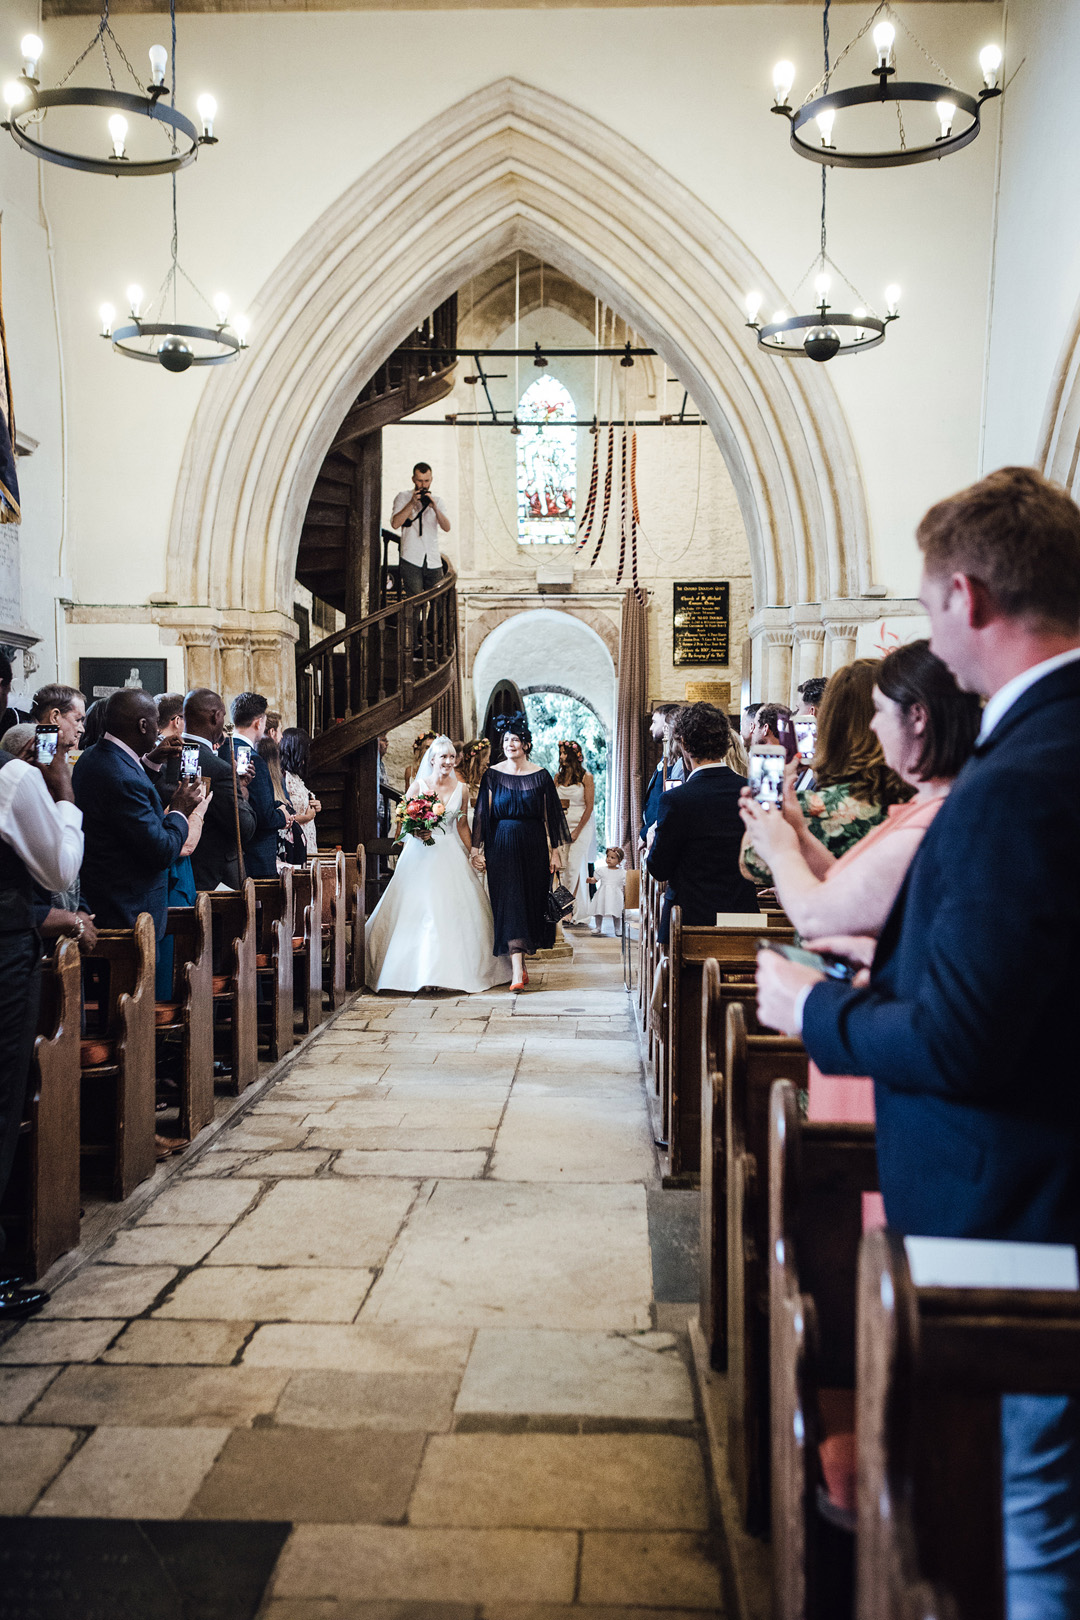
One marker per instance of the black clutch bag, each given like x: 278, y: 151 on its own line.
x: 559, y: 901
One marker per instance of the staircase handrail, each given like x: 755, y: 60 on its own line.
x: 448, y: 581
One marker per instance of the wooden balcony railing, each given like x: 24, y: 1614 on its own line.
x: 377, y: 673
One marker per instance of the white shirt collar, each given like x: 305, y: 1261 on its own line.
x: 1003, y: 699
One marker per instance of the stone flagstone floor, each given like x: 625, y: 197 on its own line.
x: 405, y: 1303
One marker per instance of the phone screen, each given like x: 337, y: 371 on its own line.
x: 832, y: 965
x: 243, y: 758
x: 766, y: 775
x: 806, y: 739
x: 45, y: 744
x: 189, y: 761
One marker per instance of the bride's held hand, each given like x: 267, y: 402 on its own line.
x: 556, y: 861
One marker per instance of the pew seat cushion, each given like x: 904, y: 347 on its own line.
x: 836, y: 1450
x: 298, y: 942
x: 92, y: 1053
x: 222, y: 984
x: 167, y: 1014
x: 262, y: 960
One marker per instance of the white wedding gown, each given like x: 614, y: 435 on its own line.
x: 577, y: 855
x: 433, y: 925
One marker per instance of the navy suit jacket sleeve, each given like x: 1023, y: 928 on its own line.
x: 664, y: 855
x: 154, y: 841
x: 994, y: 963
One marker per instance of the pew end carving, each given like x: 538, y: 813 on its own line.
x: 119, y: 1059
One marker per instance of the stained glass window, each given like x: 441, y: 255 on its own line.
x: 546, y: 465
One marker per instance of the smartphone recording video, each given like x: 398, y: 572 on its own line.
x: 766, y: 774
x: 805, y: 739
x: 189, y: 762
x: 46, y: 741
x: 243, y: 758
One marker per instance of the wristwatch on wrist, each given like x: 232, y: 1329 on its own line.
x: 77, y: 930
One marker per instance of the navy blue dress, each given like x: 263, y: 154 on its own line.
x: 514, y: 819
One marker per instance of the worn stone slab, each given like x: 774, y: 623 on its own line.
x: 155, y: 1342
x: 285, y: 1293
x: 532, y: 1372
x: 162, y: 1245
x: 430, y: 1163
x: 20, y: 1388
x: 158, y: 1397
x: 366, y: 1563
x: 219, y: 1203
x: 275, y: 1166
x: 101, y: 1290
x: 574, y: 1139
x: 319, y: 1223
x: 663, y: 1570
x: 310, y: 1475
x: 29, y: 1460
x: 351, y: 1400
x: 390, y: 1347
x: 520, y: 1255
x: 41, y: 1343
x: 130, y: 1473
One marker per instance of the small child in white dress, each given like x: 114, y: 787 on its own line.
x: 610, y: 897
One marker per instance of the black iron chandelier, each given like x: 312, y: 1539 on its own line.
x: 825, y: 333
x: 29, y: 106
x: 176, y: 346
x: 814, y: 125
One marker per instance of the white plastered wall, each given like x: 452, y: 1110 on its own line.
x: 309, y: 102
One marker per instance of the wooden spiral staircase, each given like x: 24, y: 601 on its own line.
x: 394, y: 658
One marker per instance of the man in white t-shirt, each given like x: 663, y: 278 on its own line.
x: 420, y: 515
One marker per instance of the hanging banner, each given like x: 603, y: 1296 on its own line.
x: 702, y: 622
x: 9, y: 483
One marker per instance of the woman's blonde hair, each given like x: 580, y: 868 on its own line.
x: 847, y: 750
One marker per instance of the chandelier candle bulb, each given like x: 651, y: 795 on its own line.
x: 754, y: 302
x: 134, y: 296
x: 118, y: 128
x: 14, y: 92
x: 106, y: 315
x: 825, y: 122
x: 783, y: 78
x: 32, y: 50
x: 946, y: 111
x: 884, y: 36
x: 159, y: 61
x: 206, y: 107
x: 241, y: 326
x: 892, y: 299
x: 822, y: 283
x: 990, y: 62
x: 221, y: 306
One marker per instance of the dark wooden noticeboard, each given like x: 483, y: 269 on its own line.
x: 702, y: 623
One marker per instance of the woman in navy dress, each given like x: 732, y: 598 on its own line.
x: 518, y: 830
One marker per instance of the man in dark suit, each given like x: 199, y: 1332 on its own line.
x: 131, y: 841
x: 968, y: 1024
x: 249, y: 728
x: 214, y: 858
x: 662, y: 716
x: 698, y: 827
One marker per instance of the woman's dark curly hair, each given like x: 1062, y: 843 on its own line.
x: 571, y: 764
x: 295, y: 751
x: 518, y: 724
x: 702, y: 731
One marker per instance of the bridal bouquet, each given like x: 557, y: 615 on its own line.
x: 420, y: 815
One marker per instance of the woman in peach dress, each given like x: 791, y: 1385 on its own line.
x: 927, y: 729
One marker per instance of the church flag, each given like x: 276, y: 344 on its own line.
x: 9, y: 482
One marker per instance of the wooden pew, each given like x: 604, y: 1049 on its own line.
x: 933, y: 1364
x: 334, y: 925
x: 274, y: 960
x: 818, y: 1174
x: 735, y: 950
x: 717, y: 993
x: 234, y: 982
x: 355, y: 879
x: 752, y: 1063
x: 41, y: 1204
x: 118, y: 1059
x: 186, y: 1020
x: 307, y: 945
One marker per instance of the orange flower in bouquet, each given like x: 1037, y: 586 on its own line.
x: 419, y: 816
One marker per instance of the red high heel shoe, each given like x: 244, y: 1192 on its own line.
x: 518, y: 984
x: 525, y: 974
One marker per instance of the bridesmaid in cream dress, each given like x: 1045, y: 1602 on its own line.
x: 577, y: 792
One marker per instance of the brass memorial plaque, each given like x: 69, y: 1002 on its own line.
x: 702, y: 622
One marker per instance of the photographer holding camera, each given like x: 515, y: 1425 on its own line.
x: 419, y: 515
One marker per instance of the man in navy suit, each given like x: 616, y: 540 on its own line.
x: 249, y: 729
x: 699, y: 829
x: 968, y: 1024
x: 131, y: 842
x: 662, y: 716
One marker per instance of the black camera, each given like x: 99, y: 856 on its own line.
x: 425, y: 500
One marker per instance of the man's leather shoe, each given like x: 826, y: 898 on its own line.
x: 17, y: 1301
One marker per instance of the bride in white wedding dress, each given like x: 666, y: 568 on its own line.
x: 433, y: 925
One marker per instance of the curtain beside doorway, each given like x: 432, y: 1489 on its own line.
x: 633, y: 696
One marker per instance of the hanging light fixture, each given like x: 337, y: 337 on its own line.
x: 28, y: 109
x: 825, y: 333
x: 816, y: 131
x: 171, y: 344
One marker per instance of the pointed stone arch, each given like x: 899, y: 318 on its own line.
x: 508, y: 168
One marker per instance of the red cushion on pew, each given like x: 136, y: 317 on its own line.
x: 298, y: 943
x: 836, y: 1453
x: 93, y: 1053
x: 166, y: 1014
x: 262, y: 960
x: 222, y: 984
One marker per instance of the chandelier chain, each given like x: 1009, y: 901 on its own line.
x: 900, y: 122
x: 936, y: 65
x: 823, y: 82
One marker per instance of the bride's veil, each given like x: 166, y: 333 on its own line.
x: 425, y: 768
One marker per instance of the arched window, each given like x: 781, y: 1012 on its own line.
x: 546, y: 465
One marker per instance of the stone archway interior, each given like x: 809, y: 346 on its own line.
x: 545, y: 649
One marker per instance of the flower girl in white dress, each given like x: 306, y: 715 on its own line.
x: 433, y: 925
